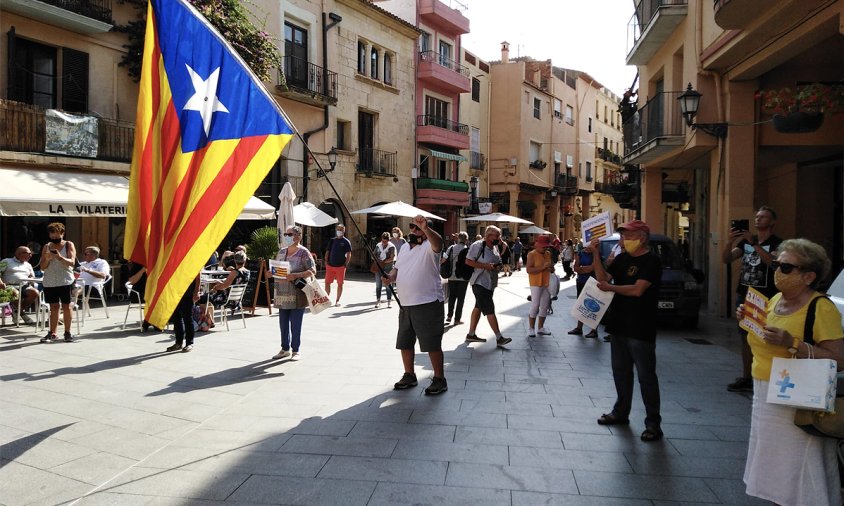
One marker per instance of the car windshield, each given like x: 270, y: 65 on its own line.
x: 667, y: 251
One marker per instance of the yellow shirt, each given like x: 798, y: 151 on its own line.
x: 827, y: 327
x: 537, y: 259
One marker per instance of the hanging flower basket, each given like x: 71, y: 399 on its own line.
x: 799, y: 122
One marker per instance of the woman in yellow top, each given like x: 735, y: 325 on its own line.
x: 539, y: 268
x: 785, y: 464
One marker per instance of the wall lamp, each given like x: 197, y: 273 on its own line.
x: 332, y: 158
x: 689, y: 103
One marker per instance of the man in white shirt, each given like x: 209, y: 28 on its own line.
x: 93, y: 269
x: 416, y: 273
x: 15, y: 271
x: 484, y: 257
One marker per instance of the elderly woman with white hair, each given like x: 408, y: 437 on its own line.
x: 786, y: 465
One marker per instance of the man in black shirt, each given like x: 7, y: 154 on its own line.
x: 756, y: 253
x: 636, y: 274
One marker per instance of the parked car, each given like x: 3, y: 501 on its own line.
x: 679, y: 291
x: 836, y: 294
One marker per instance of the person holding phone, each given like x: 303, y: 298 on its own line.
x: 756, y: 252
x: 57, y: 260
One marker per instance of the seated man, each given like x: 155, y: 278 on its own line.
x: 15, y: 271
x: 93, y: 269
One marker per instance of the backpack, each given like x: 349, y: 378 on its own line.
x: 445, y: 267
x: 461, y: 270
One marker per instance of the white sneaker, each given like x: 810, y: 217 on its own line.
x: 531, y: 333
x: 281, y: 354
x: 544, y: 332
x: 296, y: 356
x: 377, y: 304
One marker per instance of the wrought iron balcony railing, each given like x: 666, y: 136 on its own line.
x: 445, y: 61
x: 300, y: 75
x: 437, y: 121
x: 660, y: 117
x: 94, y: 9
x: 377, y: 161
x: 567, y: 184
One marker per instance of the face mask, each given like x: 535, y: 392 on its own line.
x: 339, y: 233
x: 631, y: 245
x: 414, y: 239
x: 56, y: 241
x: 788, y: 282
x: 286, y: 240
x: 496, y: 242
x: 395, y: 235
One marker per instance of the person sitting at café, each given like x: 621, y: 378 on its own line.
x: 17, y: 271
x: 218, y: 292
x: 93, y: 269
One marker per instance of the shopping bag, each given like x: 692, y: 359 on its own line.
x: 553, y: 286
x: 591, y: 304
x: 317, y: 298
x: 803, y: 383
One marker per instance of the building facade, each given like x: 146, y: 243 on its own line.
x: 474, y: 112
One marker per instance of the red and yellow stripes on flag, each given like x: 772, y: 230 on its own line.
x: 181, y: 205
x: 596, y: 231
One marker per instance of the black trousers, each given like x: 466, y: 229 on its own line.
x: 456, y: 295
x: 627, y: 353
x: 182, y: 319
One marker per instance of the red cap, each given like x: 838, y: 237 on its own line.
x: 636, y: 226
x: 542, y: 241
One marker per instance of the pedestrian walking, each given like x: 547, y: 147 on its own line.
x: 456, y: 285
x: 484, y: 257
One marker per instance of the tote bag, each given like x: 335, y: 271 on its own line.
x: 317, y: 298
x: 803, y: 383
x: 591, y: 304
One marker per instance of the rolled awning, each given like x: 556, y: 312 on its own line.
x: 448, y: 156
x: 26, y: 192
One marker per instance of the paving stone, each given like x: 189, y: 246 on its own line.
x: 451, y: 452
x: 178, y: 483
x: 416, y: 431
x: 24, y: 484
x: 537, y: 498
x: 513, y: 437
x: 642, y: 487
x: 569, y: 459
x: 331, y: 445
x: 95, y: 468
x: 535, y: 479
x: 279, y: 490
x: 389, y: 494
x: 385, y: 470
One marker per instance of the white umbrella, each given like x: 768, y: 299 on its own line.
x: 498, y: 217
x: 310, y: 215
x: 285, y: 210
x: 533, y: 229
x: 398, y: 208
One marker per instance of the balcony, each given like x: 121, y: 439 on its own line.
x: 567, y: 185
x: 445, y: 15
x: 607, y: 156
x: 444, y: 132
x: 442, y: 192
x: 23, y: 129
x: 376, y: 162
x: 444, y: 73
x: 651, y: 25
x: 80, y: 16
x: 477, y: 161
x: 654, y: 130
x: 305, y: 82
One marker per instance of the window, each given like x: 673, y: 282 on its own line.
x: 537, y: 108
x: 605, y: 114
x: 425, y: 42
x: 569, y: 161
x: 445, y: 54
x: 476, y: 89
x: 366, y: 140
x: 296, y: 55
x: 361, y: 58
x: 388, y: 69
x: 588, y: 171
x: 475, y: 157
x: 344, y: 134
x: 373, y: 65
x: 569, y: 115
x: 558, y: 108
x: 590, y: 125
x: 597, y: 114
x: 535, y: 148
x: 606, y: 144
x: 437, y: 112
x: 75, y: 82
x: 32, y: 73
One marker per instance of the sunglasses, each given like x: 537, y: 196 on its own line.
x: 785, y: 268
x: 412, y: 226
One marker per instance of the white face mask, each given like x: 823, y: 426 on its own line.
x: 395, y: 235
x: 339, y: 233
x: 286, y: 240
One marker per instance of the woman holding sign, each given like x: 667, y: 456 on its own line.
x: 289, y: 299
x: 785, y: 464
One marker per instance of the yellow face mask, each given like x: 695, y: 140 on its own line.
x: 631, y: 245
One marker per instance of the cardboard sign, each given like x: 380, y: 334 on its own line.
x: 755, y: 312
x: 598, y: 226
x: 279, y: 269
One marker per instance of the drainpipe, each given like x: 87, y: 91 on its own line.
x: 335, y: 19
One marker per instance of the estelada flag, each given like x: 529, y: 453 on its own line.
x: 207, y: 133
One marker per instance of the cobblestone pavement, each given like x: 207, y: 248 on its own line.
x: 113, y: 419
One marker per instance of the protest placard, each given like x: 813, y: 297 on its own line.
x: 598, y: 226
x: 755, y: 312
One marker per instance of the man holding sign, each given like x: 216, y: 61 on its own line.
x: 636, y: 275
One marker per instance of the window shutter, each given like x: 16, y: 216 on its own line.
x: 74, y: 80
x: 13, y: 88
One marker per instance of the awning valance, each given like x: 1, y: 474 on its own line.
x: 448, y: 156
x: 25, y: 192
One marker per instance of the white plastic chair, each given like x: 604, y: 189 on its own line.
x: 42, y: 318
x: 88, y: 289
x: 134, y: 301
x: 233, y: 301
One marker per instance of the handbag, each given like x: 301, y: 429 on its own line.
x: 446, y: 267
x: 317, y: 298
x: 373, y: 267
x: 591, y: 304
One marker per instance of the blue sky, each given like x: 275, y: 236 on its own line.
x: 587, y: 35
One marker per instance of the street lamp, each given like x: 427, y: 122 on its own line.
x: 689, y: 104
x: 473, y: 194
x: 332, y: 158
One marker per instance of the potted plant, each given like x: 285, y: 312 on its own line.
x: 802, y: 109
x: 264, y: 243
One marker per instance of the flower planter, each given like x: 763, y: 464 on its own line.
x: 798, y: 122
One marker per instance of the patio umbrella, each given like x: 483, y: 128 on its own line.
x: 310, y: 215
x: 498, y: 217
x: 285, y: 210
x: 398, y: 208
x: 533, y: 229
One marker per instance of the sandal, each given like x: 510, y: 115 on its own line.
x: 576, y: 331
x: 592, y: 335
x: 611, y: 419
x: 651, y: 434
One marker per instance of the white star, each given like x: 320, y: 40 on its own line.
x: 205, y: 98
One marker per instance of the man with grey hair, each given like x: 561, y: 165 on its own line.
x: 485, y: 258
x: 16, y: 271
x: 93, y: 269
x: 456, y: 285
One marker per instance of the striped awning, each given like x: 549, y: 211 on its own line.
x: 448, y: 156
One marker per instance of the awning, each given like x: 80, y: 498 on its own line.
x: 448, y: 156
x: 52, y: 193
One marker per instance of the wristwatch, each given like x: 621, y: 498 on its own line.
x: 795, y: 346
